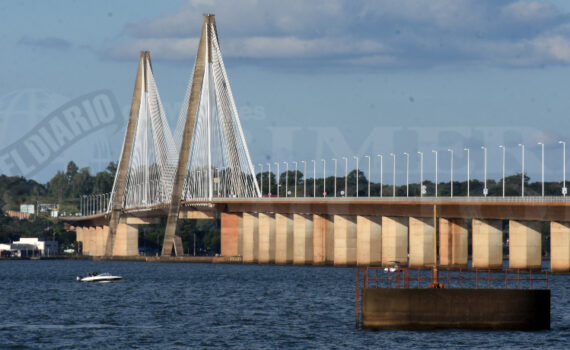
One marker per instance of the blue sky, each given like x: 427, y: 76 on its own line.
x: 312, y: 80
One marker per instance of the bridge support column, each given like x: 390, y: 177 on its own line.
x: 126, y: 240
x: 421, y: 242
x: 323, y: 243
x: 560, y: 246
x: 283, y: 238
x: 302, y: 239
x: 394, y: 240
x: 368, y: 240
x: 524, y: 244
x: 487, y: 243
x: 452, y: 242
x: 230, y: 227
x: 101, y: 236
x: 344, y: 240
x: 80, y: 236
x: 91, y: 241
x: 250, y: 237
x: 266, y: 238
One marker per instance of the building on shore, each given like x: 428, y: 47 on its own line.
x: 28, y: 247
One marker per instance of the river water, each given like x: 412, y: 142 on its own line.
x: 169, y: 305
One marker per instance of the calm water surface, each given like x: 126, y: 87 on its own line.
x: 217, y: 306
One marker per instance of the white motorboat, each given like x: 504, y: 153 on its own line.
x: 99, y: 277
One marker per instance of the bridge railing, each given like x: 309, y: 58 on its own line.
x: 475, y: 199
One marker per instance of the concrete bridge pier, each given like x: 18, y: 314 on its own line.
x: 368, y: 240
x: 487, y: 243
x: 524, y: 244
x: 250, y: 237
x: 559, y: 246
x: 230, y: 227
x: 453, y: 241
x: 266, y: 238
x: 94, y: 238
x: 323, y: 239
x: 283, y: 238
x: 421, y: 242
x: 344, y: 240
x: 302, y: 239
x: 395, y: 240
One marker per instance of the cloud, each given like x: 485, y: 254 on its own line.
x: 369, y: 34
x: 46, y: 43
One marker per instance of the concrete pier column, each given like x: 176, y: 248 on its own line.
x: 395, y: 240
x: 92, y: 241
x: 126, y: 240
x: 560, y: 246
x: 250, y: 237
x: 266, y: 238
x: 524, y: 244
x: 368, y: 240
x: 487, y: 243
x: 323, y: 242
x: 79, y: 236
x: 230, y: 232
x: 344, y: 240
x: 421, y: 242
x: 302, y: 239
x: 283, y: 238
x: 453, y: 242
x: 101, y: 236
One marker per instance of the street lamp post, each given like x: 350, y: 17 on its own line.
x: 269, y: 179
x: 367, y: 156
x: 564, y: 190
x: 468, y: 175
x: 286, y: 179
x: 314, y: 178
x: 394, y: 176
x: 407, y: 172
x: 278, y: 178
x: 380, y: 156
x: 421, y: 173
x: 485, y: 191
x: 304, y: 178
x: 522, y: 170
x: 324, y: 177
x: 260, y: 178
x: 451, y: 172
x: 334, y: 160
x: 435, y: 152
x: 345, y: 176
x: 295, y: 178
x: 503, y: 148
x: 356, y: 157
x: 542, y: 165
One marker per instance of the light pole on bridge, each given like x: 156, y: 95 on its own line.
x: 356, y: 157
x: 369, y: 177
x: 503, y: 148
x: 304, y: 178
x: 334, y: 160
x: 542, y: 165
x: 286, y: 179
x: 564, y: 190
x: 522, y: 171
x: 468, y: 174
x: 485, y: 190
x: 380, y: 156
x: 295, y: 179
x: 451, y: 172
x: 345, y: 176
x: 324, y: 177
x: 260, y: 177
x: 394, y: 176
x: 407, y: 172
x: 278, y: 178
x: 314, y: 178
x: 269, y: 179
x: 435, y: 152
x: 421, y: 173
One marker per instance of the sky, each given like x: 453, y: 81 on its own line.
x: 312, y: 80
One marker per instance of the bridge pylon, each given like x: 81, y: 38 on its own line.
x: 213, y: 159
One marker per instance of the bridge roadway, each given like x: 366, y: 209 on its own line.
x: 364, y: 231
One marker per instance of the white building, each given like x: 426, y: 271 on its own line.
x: 27, y: 247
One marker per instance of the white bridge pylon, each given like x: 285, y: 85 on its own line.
x: 219, y: 164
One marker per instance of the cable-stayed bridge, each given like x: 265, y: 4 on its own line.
x: 203, y: 170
